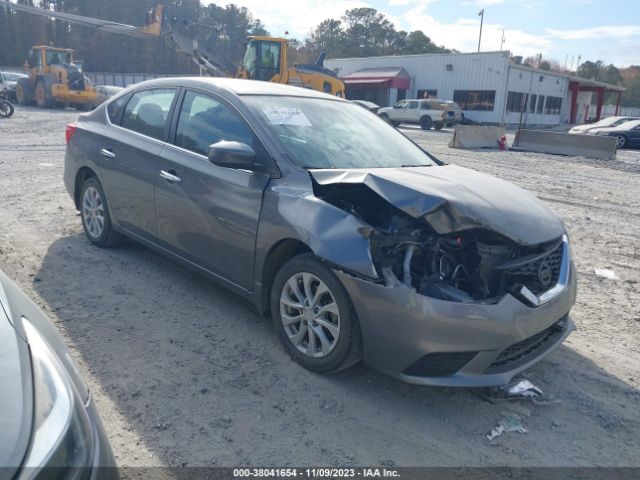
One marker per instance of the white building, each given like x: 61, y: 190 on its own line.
x: 488, y: 86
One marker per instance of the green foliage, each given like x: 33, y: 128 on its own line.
x: 365, y: 32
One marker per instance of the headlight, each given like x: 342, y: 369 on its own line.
x: 62, y: 439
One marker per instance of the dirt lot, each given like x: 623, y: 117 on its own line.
x: 185, y: 373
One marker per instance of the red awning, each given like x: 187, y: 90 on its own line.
x: 391, y: 77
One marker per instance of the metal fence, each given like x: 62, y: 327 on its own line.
x: 123, y: 79
x: 610, y: 110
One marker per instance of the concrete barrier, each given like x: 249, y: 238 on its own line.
x: 476, y: 136
x: 591, y: 146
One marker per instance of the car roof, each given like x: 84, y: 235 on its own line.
x: 237, y: 86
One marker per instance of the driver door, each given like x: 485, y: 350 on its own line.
x: 208, y: 214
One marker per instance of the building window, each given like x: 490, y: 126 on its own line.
x: 515, y: 101
x: 553, y: 105
x: 475, y: 99
x: 540, y: 104
x: 428, y: 93
x: 532, y: 103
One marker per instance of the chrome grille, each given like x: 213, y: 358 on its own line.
x: 532, y: 274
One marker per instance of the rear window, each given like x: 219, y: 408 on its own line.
x: 147, y: 112
x: 115, y: 108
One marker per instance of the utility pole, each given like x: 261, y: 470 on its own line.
x: 502, y: 41
x: 481, y: 15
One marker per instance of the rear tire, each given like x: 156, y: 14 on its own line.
x: 438, y: 125
x: 426, y: 123
x: 94, y: 211
x: 322, y: 332
x: 21, y: 94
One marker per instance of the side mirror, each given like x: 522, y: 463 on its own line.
x: 232, y: 155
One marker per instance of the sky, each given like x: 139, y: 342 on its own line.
x: 563, y: 30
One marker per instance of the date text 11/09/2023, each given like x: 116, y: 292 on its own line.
x: 313, y: 473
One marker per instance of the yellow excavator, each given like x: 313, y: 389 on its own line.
x: 265, y: 58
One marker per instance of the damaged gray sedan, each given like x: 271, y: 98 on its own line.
x: 357, y: 243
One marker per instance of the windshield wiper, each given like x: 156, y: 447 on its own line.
x: 407, y: 166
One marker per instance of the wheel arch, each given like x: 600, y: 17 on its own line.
x: 81, y: 176
x: 278, y: 255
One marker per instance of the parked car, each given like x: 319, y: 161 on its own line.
x: 9, y: 81
x: 627, y: 134
x: 105, y: 92
x: 50, y: 426
x: 357, y: 242
x: 426, y: 113
x: 604, y: 123
x: 372, y: 107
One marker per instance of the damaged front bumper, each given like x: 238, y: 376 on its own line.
x: 427, y: 341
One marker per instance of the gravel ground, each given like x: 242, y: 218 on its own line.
x: 185, y: 373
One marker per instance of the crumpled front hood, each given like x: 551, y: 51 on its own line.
x: 453, y: 198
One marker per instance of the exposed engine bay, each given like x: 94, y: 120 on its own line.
x: 472, y: 265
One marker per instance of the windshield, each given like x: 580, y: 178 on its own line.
x: 57, y: 57
x: 319, y: 133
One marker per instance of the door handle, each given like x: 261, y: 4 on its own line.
x: 170, y: 176
x: 107, y: 153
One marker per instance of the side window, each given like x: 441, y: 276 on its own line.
x: 425, y: 106
x: 115, y: 108
x: 204, y: 121
x: 413, y: 105
x: 147, y: 112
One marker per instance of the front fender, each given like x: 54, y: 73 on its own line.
x: 332, y: 234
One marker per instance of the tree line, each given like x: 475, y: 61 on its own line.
x: 360, y: 32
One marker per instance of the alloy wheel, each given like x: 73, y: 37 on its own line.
x: 93, y: 212
x: 621, y: 141
x: 310, y: 315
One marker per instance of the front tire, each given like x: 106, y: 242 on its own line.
x: 6, y: 109
x: 94, y: 212
x: 426, y: 123
x: 314, y: 317
x: 438, y: 125
x: 621, y: 141
x: 43, y: 99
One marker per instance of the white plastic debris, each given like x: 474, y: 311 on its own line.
x: 508, y: 423
x: 605, y: 273
x: 522, y: 389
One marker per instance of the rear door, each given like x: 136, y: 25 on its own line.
x: 634, y: 137
x: 128, y: 157
x: 205, y: 213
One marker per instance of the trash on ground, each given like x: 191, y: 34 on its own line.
x: 522, y: 389
x: 605, y: 273
x: 508, y: 423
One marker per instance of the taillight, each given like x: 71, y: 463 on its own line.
x: 71, y: 129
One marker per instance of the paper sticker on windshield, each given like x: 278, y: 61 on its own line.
x: 286, y: 116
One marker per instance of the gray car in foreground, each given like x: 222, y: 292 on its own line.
x: 49, y: 427
x: 358, y: 244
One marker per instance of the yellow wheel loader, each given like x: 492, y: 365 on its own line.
x: 54, y: 80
